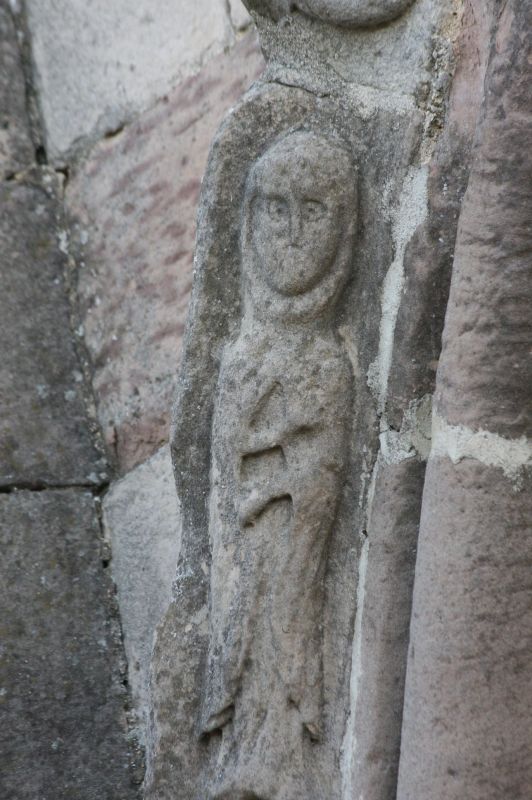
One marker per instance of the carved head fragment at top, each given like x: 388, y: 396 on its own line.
x: 347, y: 13
x: 300, y: 216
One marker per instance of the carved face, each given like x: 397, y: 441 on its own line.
x: 298, y: 211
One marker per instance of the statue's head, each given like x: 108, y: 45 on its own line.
x: 299, y: 213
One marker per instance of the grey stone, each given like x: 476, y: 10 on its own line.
x: 99, y: 63
x: 16, y: 148
x: 240, y: 17
x: 254, y: 682
x: 280, y: 429
x: 349, y: 13
x: 142, y: 524
x: 376, y: 66
x: 61, y: 699
x: 181, y: 696
x: 45, y: 431
x: 373, y: 734
x: 134, y: 199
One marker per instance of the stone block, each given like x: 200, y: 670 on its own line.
x: 142, y: 523
x: 99, y: 63
x: 61, y: 698
x: 45, y: 433
x: 15, y: 142
x: 135, y: 199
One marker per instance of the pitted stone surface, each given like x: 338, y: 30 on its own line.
x: 61, y: 695
x: 372, y: 743
x: 98, y: 63
x: 16, y: 148
x: 468, y: 702
x: 45, y: 432
x: 428, y: 258
x: 349, y: 13
x: 485, y: 370
x: 267, y: 114
x: 142, y: 524
x: 282, y: 414
x: 135, y: 200
x: 378, y: 66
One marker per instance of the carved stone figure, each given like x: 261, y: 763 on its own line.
x: 279, y: 442
x: 348, y: 13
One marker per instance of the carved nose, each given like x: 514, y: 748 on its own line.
x: 295, y: 228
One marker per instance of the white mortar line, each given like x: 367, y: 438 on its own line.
x: 410, y: 213
x: 349, y: 741
x: 458, y: 442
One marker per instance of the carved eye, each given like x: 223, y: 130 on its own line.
x: 313, y: 210
x: 277, y: 208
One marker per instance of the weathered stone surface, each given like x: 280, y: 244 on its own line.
x: 15, y: 142
x: 135, y: 199
x: 45, y: 433
x: 427, y: 263
x: 469, y: 702
x: 380, y: 651
x: 61, y: 698
x: 468, y: 699
x: 485, y: 376
x: 240, y: 17
x: 142, y: 524
x: 282, y: 414
x: 373, y: 736
x: 98, y: 63
x: 351, y: 13
x: 370, y: 67
x: 266, y: 114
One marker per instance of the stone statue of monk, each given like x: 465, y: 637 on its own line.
x: 279, y: 446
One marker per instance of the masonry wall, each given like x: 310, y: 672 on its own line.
x: 107, y: 111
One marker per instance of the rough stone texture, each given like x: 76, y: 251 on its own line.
x: 376, y: 66
x: 485, y: 375
x: 384, y: 135
x: 142, y: 524
x: 61, y: 698
x: 282, y: 415
x: 135, y: 198
x: 372, y: 745
x: 98, y: 63
x: 469, y: 700
x: 429, y: 255
x: 372, y: 742
x: 45, y: 433
x: 351, y: 13
x: 16, y: 149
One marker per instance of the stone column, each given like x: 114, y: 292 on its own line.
x: 468, y: 704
